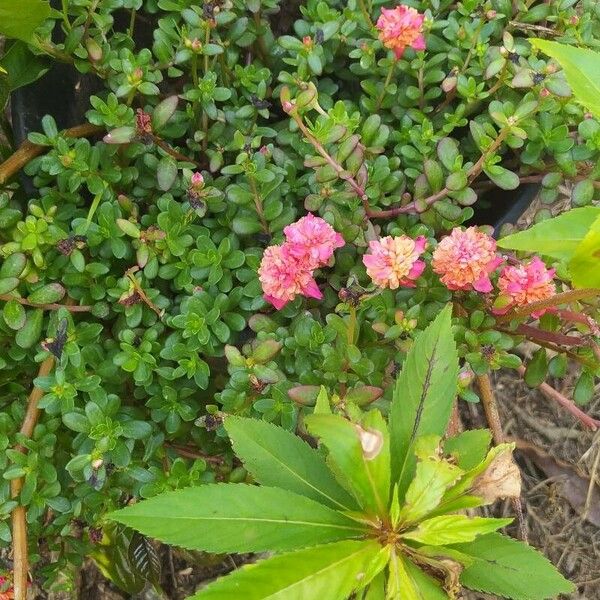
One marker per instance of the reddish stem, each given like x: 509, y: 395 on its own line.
x: 569, y: 405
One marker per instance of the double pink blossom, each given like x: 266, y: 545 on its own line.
x: 312, y: 241
x: 400, y: 28
x: 465, y: 259
x: 287, y: 270
x: 394, y: 261
x: 525, y: 283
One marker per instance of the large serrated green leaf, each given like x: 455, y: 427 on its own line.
x: 237, y: 518
x: 558, y: 237
x: 423, y: 394
x: 469, y: 447
x: 453, y: 529
x: 366, y: 477
x: 20, y: 18
x: 276, y: 457
x: 511, y: 569
x: 329, y: 572
x: 407, y: 582
x: 583, y: 267
x: 425, y: 492
x: 582, y: 69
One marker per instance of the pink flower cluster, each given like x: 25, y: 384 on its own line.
x: 394, y: 261
x: 464, y: 260
x: 401, y: 27
x: 287, y: 270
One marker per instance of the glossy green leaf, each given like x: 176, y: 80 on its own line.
x: 48, y: 294
x: 20, y: 18
x: 30, y: 333
x: 237, y: 518
x: 512, y: 569
x: 581, y: 67
x: 14, y: 314
x: 358, y: 455
x: 537, y: 368
x: 166, y: 173
x: 332, y: 571
x: 276, y: 457
x: 22, y: 66
x: 423, y: 394
x: 558, y: 237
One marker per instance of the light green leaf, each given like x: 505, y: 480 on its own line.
x: 432, y: 479
x: 20, y: 18
x: 237, y: 518
x: 358, y: 456
x: 558, y: 237
x: 23, y: 67
x: 332, y: 571
x: 583, y: 267
x: 512, y: 569
x: 408, y: 582
x: 278, y: 458
x: 582, y: 69
x: 469, y: 447
x: 453, y: 529
x: 423, y: 394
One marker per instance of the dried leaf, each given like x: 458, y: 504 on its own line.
x: 502, y: 479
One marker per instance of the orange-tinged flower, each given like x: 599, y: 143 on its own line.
x: 312, y: 240
x: 394, y: 261
x: 283, y: 277
x: 522, y: 284
x: 7, y: 591
x: 464, y: 260
x: 401, y: 27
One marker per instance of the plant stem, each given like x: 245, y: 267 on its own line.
x: 28, y: 151
x: 204, y: 115
x: 352, y: 325
x: 386, y: 83
x: 365, y: 13
x: 474, y: 172
x: 341, y: 172
x: 490, y: 407
x: 563, y: 298
x: 174, y: 153
x: 132, y: 23
x: 51, y: 306
x: 258, y: 204
x: 553, y: 394
x: 19, y: 515
x: 262, y: 47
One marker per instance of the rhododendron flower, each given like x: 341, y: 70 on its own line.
x: 525, y: 283
x: 401, y: 27
x: 465, y: 259
x: 312, y: 240
x: 283, y: 277
x: 394, y: 261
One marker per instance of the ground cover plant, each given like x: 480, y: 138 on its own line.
x: 254, y: 215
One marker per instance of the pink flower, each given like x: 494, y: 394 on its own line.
x: 312, y: 241
x: 394, y: 261
x: 197, y: 181
x: 465, y: 259
x: 523, y: 284
x: 401, y: 27
x: 283, y: 277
